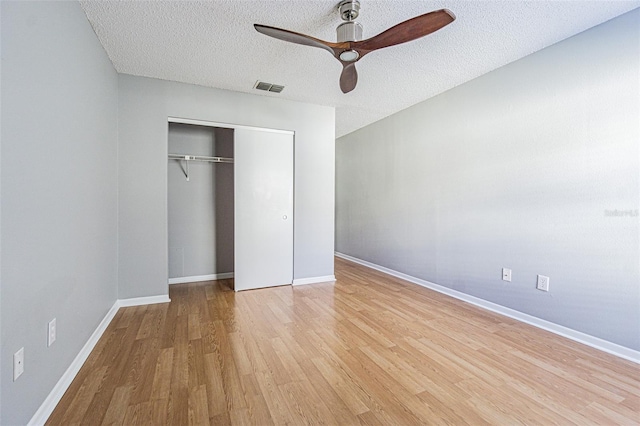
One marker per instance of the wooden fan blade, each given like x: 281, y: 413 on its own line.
x: 409, y: 30
x: 293, y: 37
x: 349, y: 77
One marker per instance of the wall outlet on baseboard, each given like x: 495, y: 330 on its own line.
x: 506, y: 274
x: 18, y: 364
x: 543, y: 283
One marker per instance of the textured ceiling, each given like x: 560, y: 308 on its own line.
x: 213, y: 43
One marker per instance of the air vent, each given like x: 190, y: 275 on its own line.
x: 261, y: 85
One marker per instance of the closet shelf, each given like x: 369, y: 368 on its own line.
x: 187, y: 157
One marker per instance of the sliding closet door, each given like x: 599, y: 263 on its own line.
x: 263, y: 176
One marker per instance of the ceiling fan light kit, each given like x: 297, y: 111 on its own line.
x: 349, y: 56
x: 350, y: 47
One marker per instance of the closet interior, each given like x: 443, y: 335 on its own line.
x: 200, y: 203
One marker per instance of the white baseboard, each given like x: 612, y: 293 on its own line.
x: 314, y: 280
x: 51, y: 401
x: 578, y: 336
x: 199, y: 278
x: 138, y: 301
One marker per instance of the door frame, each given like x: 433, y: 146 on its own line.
x: 180, y: 120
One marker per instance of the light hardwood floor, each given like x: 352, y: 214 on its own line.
x: 371, y: 349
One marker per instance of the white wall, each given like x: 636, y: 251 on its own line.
x: 144, y: 106
x: 516, y: 169
x: 59, y: 180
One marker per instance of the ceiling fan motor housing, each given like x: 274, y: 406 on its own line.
x: 349, y: 31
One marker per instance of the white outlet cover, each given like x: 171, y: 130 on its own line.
x: 18, y: 364
x: 52, y: 332
x: 543, y: 283
x: 506, y: 274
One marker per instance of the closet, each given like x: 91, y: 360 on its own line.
x: 230, y: 204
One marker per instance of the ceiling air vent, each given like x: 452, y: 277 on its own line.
x: 261, y: 85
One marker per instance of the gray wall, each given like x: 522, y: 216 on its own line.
x: 518, y: 168
x: 201, y: 209
x: 59, y: 194
x: 144, y: 105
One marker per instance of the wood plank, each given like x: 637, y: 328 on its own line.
x: 117, y: 406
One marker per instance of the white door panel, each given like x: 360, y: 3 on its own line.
x: 263, y: 174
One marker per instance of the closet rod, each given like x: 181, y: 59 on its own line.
x: 188, y: 158
x: 200, y: 158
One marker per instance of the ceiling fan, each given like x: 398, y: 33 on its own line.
x: 349, y: 48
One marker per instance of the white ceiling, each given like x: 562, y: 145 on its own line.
x: 213, y: 43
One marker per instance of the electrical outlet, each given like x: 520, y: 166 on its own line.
x: 18, y: 364
x: 506, y: 274
x: 52, y: 332
x: 543, y: 283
